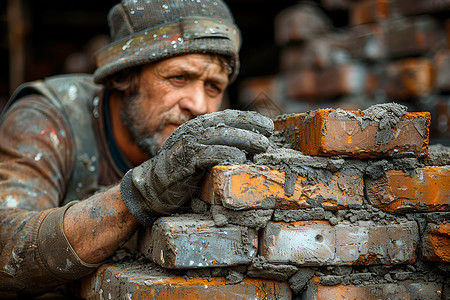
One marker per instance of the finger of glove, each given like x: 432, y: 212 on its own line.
x: 249, y: 141
x: 248, y: 120
x: 209, y: 156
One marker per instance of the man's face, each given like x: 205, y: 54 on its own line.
x: 172, y: 92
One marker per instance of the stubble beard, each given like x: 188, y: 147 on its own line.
x: 148, y: 139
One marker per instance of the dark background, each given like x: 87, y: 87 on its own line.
x: 52, y: 30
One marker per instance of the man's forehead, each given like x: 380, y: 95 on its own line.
x: 196, y: 64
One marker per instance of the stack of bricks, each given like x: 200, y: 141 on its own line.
x: 344, y: 205
x: 381, y: 51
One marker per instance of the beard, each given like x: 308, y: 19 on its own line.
x: 147, y: 133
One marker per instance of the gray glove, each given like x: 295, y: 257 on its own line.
x: 165, y: 182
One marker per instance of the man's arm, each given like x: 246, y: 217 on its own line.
x: 43, y: 245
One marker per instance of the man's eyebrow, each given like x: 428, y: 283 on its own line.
x: 192, y: 71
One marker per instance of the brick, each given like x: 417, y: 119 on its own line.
x: 322, y: 52
x: 316, y: 243
x: 299, y: 23
x: 368, y: 42
x: 146, y: 281
x: 419, y: 290
x: 259, y: 187
x: 263, y: 94
x: 368, y: 11
x: 403, y: 80
x: 417, y: 7
x: 421, y: 35
x: 329, y: 132
x: 335, y: 81
x: 182, y: 242
x: 436, y: 242
x: 442, y: 66
x: 427, y: 190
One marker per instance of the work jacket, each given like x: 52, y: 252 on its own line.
x: 54, y: 150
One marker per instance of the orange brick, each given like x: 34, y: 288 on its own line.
x: 398, y: 290
x: 368, y: 11
x: 331, y: 82
x: 404, y: 79
x: 436, y: 242
x: 427, y: 190
x: 253, y: 187
x: 145, y: 281
x: 319, y: 133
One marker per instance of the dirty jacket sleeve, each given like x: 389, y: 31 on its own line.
x: 36, y: 159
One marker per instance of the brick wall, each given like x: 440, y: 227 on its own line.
x: 387, y: 51
x: 352, y: 202
x: 336, y: 218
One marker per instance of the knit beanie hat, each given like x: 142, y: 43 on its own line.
x: 145, y: 31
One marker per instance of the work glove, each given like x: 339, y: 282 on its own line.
x: 165, y: 182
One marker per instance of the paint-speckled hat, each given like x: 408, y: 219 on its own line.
x: 144, y: 31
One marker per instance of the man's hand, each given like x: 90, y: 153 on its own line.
x: 162, y: 184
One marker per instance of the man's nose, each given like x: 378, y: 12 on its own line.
x: 195, y: 100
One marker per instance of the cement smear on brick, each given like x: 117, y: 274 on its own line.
x: 387, y: 115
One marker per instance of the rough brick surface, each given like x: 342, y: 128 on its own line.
x: 185, y: 241
x: 325, y: 132
x: 368, y: 11
x: 418, y: 290
x: 339, y: 80
x: 299, y: 23
x: 403, y: 79
x: 315, y: 243
x: 427, y: 190
x: 144, y: 281
x: 259, y: 187
x: 436, y: 242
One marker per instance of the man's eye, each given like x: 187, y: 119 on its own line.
x: 214, y: 88
x: 178, y: 77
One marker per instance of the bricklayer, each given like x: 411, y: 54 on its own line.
x: 418, y: 290
x: 316, y: 243
x: 427, y: 190
x: 259, y: 187
x: 146, y: 281
x: 326, y: 132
